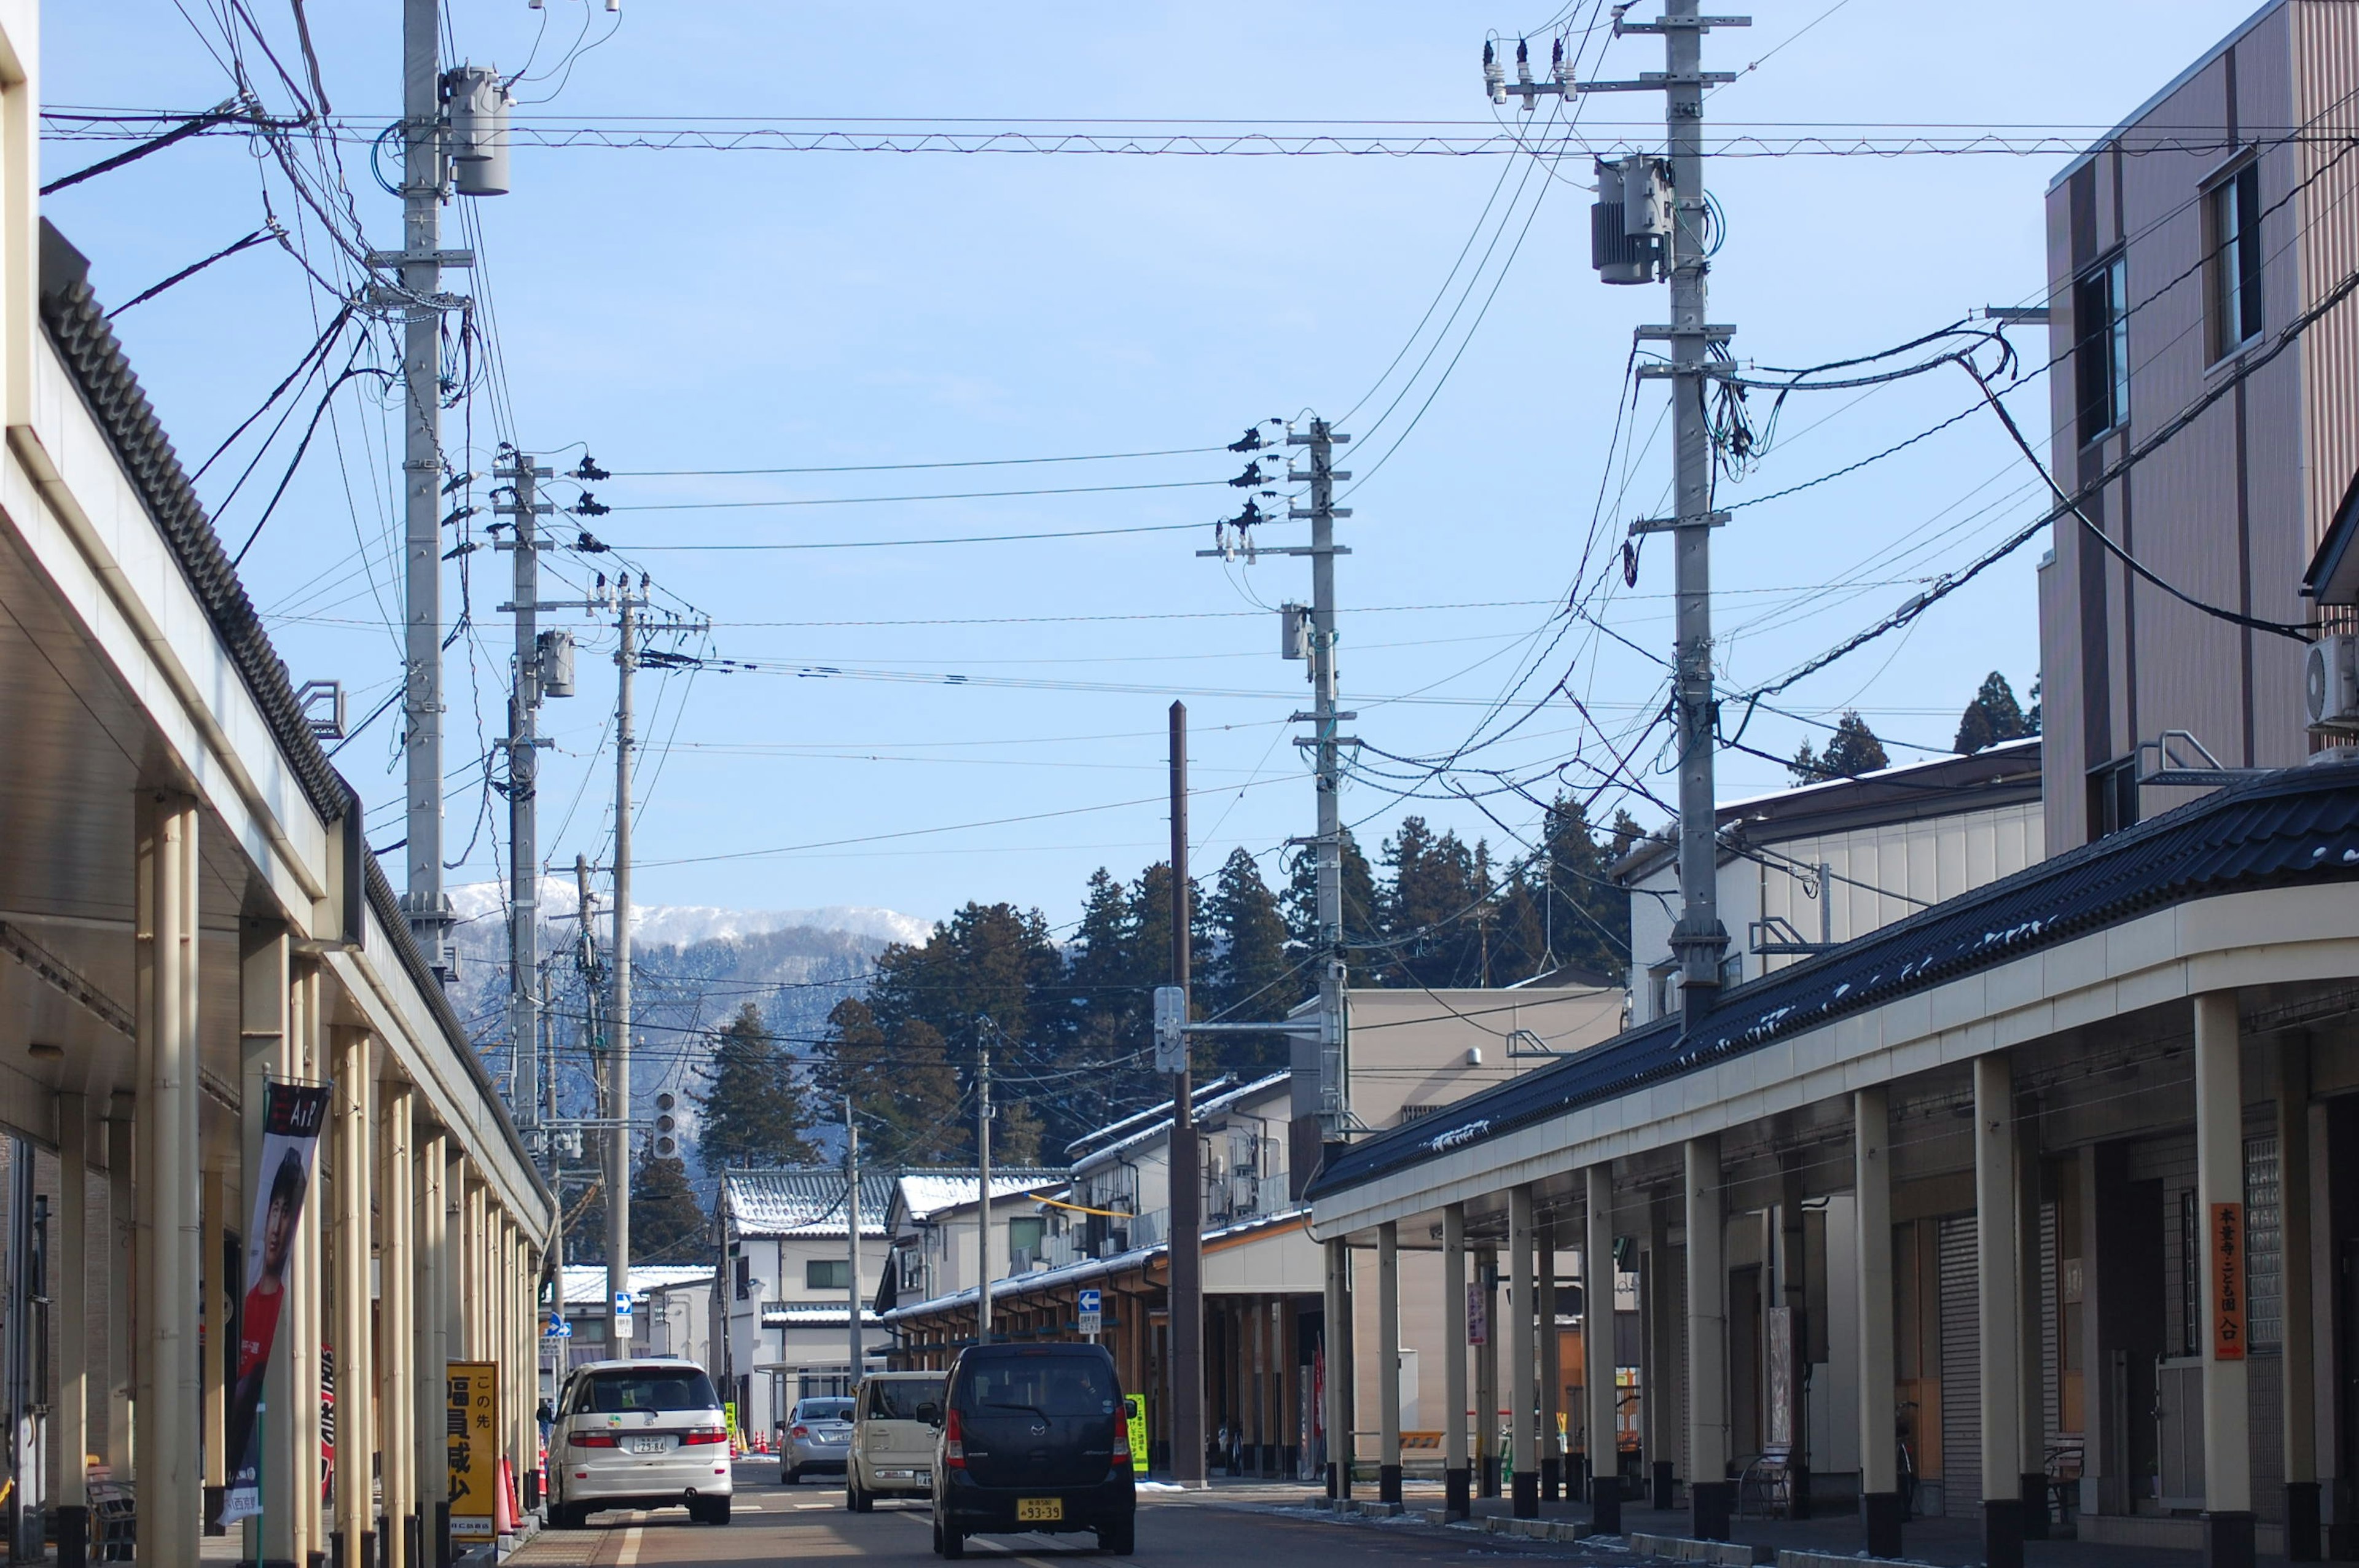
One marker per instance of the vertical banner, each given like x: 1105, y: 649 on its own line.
x: 292, y: 1117
x: 2228, y: 1281
x: 472, y: 1436
x: 1478, y: 1315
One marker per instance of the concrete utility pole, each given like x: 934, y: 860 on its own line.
x: 618, y: 1057
x: 852, y: 1210
x: 1334, y: 1082
x: 982, y: 1186
x: 1187, y: 1184
x: 1627, y: 245
x: 524, y: 771
x: 425, y: 903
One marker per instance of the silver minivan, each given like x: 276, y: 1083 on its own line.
x: 638, y: 1435
x: 895, y: 1418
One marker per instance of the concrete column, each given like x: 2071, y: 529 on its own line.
x: 431, y: 1336
x: 1597, y: 1356
x: 1486, y: 1375
x: 2220, y: 1208
x: 1457, y: 1492
x: 1551, y: 1377
x: 1336, y: 1415
x: 1712, y: 1496
x: 216, y: 1348
x: 122, y: 1247
x: 1387, y: 1359
x: 1523, y: 1443
x: 1879, y: 1479
x: 166, y: 1155
x: 1657, y: 1312
x: 70, y: 1426
x: 1997, y: 1303
x: 2299, y: 1347
x: 266, y: 1004
x: 2031, y: 1409
x: 397, y: 1281
x: 305, y: 1323
x: 355, y: 1523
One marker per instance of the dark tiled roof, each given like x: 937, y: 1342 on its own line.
x: 2296, y: 827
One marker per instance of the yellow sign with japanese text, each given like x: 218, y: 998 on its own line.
x: 1134, y: 1410
x: 473, y: 1439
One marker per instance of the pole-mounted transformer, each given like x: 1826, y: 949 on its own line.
x: 479, y: 131
x: 1630, y: 226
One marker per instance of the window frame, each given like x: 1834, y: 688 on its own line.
x: 838, y: 1270
x: 2240, y: 287
x: 2109, y: 278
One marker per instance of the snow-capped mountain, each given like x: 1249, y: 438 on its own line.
x: 683, y: 925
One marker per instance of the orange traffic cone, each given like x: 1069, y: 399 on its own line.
x: 503, y: 1505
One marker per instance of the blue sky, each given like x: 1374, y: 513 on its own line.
x: 693, y: 310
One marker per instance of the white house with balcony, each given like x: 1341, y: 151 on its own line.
x: 932, y: 1221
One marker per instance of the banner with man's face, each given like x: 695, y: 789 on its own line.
x: 293, y: 1114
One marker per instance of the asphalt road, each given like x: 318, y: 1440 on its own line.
x: 1229, y: 1528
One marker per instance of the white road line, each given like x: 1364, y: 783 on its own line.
x: 629, y: 1554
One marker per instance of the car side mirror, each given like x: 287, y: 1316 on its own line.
x: 931, y: 1414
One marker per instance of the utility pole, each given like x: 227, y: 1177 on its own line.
x: 618, y: 1056
x: 524, y: 771
x: 1311, y: 635
x: 983, y: 1186
x: 1187, y: 1184
x: 852, y: 1208
x: 1629, y: 229
x: 427, y: 907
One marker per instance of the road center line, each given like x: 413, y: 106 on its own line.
x: 629, y: 1554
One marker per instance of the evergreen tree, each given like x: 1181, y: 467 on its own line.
x: 754, y: 1113
x: 2031, y: 719
x: 1362, y: 909
x: 1249, y: 972
x: 1992, y: 717
x: 667, y: 1223
x: 1852, y: 750
x: 906, y: 1094
x: 1561, y: 908
x: 1434, y: 913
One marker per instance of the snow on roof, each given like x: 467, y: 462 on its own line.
x: 808, y: 1202
x: 1092, y: 1268
x: 585, y: 1284
x: 1148, y: 1127
x: 928, y: 1192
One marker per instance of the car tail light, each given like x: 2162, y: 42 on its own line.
x: 1119, y: 1458
x: 593, y: 1440
x: 953, y: 1443
x: 703, y: 1434
x: 799, y: 1432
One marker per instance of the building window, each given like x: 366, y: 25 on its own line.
x: 827, y: 1274
x: 2264, y: 1245
x: 2233, y: 226
x: 2100, y: 358
x: 745, y: 1272
x: 1023, y: 1236
x: 2112, y: 796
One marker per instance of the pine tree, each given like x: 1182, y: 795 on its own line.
x: 1434, y: 908
x: 1249, y: 975
x: 667, y: 1222
x: 1993, y: 717
x: 906, y: 1094
x: 1852, y: 750
x: 1362, y: 911
x: 754, y: 1112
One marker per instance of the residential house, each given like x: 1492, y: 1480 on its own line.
x: 788, y: 1283
x: 931, y: 1221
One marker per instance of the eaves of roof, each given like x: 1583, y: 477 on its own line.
x: 1204, y: 1104
x: 2292, y: 827
x: 1096, y: 1268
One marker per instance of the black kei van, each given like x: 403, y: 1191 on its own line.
x: 1033, y: 1439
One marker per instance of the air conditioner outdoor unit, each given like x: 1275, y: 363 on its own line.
x: 2330, y: 679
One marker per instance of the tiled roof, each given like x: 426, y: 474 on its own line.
x: 2294, y: 827
x: 802, y: 1202
x: 928, y: 1192
x: 585, y: 1284
x: 1155, y: 1122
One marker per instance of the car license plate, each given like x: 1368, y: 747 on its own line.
x: 1040, y: 1510
x: 649, y: 1444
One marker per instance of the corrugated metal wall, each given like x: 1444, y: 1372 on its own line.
x: 2325, y: 60
x: 1961, y: 1360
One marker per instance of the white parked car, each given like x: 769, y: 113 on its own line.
x: 896, y: 1419
x: 638, y: 1435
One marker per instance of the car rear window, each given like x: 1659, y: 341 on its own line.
x: 1049, y: 1385
x: 823, y: 1410
x: 619, y: 1393
x: 898, y: 1399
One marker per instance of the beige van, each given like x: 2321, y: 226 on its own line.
x: 896, y: 1419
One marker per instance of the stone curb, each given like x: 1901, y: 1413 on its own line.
x: 1678, y: 1549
